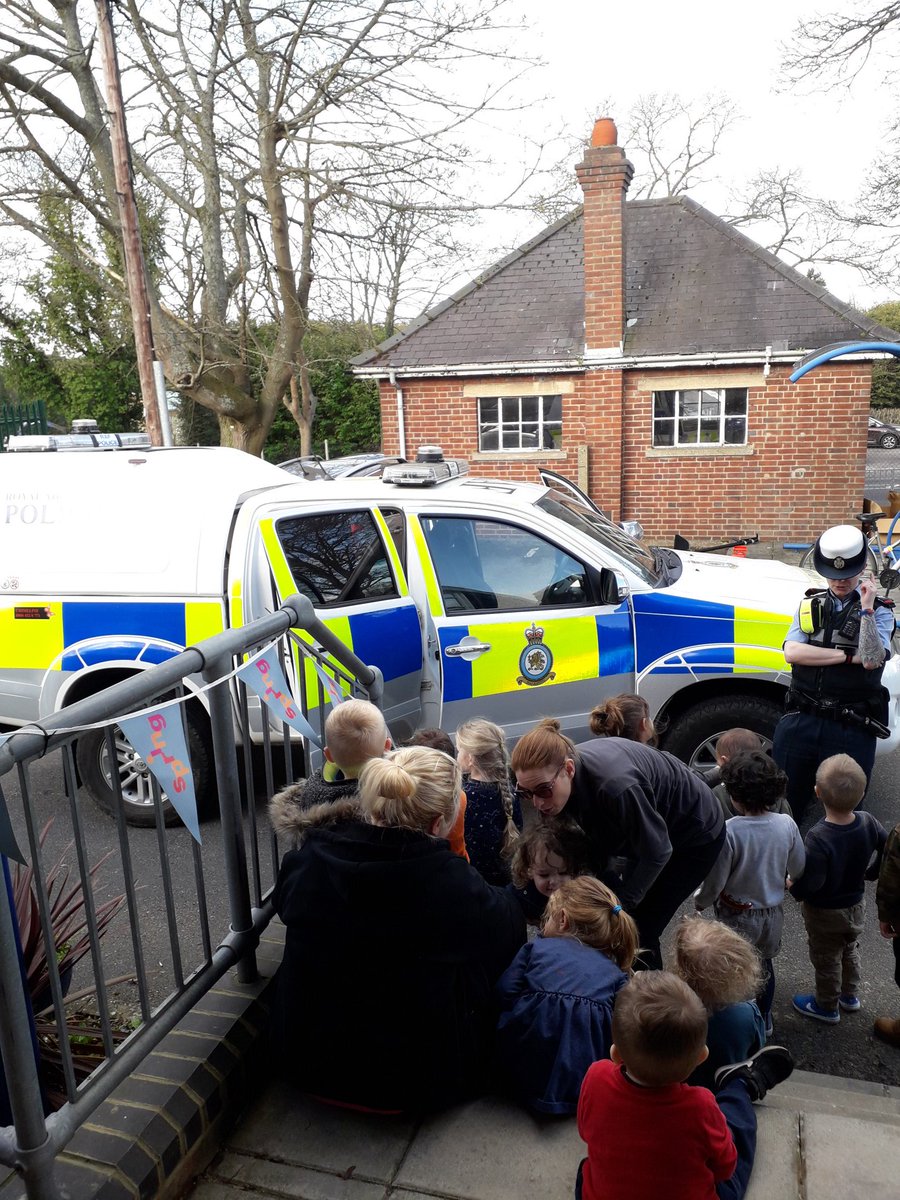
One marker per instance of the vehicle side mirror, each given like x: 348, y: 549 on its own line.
x: 611, y: 587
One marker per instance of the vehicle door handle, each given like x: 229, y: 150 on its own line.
x: 469, y: 648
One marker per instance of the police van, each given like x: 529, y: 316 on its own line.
x: 475, y: 597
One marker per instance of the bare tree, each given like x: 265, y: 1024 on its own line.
x: 672, y: 141
x: 840, y: 44
x: 264, y: 130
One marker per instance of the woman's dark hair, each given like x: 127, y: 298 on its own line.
x: 754, y: 780
x: 621, y: 716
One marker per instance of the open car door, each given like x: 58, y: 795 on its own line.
x: 552, y: 479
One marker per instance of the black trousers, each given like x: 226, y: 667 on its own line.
x: 682, y: 875
x: 803, y: 741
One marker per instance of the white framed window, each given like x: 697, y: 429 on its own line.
x: 519, y: 423
x: 700, y: 417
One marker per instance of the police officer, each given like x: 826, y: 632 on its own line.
x: 837, y: 647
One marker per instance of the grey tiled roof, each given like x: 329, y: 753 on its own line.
x: 694, y: 285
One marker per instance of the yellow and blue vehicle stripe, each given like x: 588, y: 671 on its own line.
x: 679, y: 634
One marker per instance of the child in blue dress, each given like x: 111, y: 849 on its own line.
x: 493, y: 814
x: 557, y: 996
x: 725, y: 971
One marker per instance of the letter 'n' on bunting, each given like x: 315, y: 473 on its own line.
x: 159, y: 739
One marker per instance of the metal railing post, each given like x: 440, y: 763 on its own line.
x: 229, y: 790
x: 33, y: 1152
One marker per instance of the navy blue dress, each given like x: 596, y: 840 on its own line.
x: 557, y: 1003
x: 485, y: 829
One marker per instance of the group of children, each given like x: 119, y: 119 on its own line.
x: 577, y: 1029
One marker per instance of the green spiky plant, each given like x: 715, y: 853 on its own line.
x: 71, y: 942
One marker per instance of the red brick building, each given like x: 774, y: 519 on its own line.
x: 642, y: 348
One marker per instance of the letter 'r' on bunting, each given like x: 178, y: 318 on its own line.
x: 264, y: 676
x: 159, y: 739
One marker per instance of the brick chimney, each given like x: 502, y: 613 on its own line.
x: 604, y: 176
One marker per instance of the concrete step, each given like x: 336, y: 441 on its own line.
x: 809, y: 1092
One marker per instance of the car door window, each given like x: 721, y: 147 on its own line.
x: 337, y: 557
x: 483, y: 564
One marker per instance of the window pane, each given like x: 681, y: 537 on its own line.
x: 735, y: 402
x: 663, y: 433
x: 531, y: 408
x: 487, y: 412
x: 488, y: 564
x: 709, y: 431
x: 688, y: 432
x: 488, y: 437
x: 336, y: 558
x: 690, y: 403
x: 530, y: 437
x: 735, y: 431
x: 664, y: 404
x: 709, y: 403
x: 510, y: 438
x: 552, y: 437
x: 553, y: 408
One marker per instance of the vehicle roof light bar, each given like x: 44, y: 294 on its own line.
x: 41, y: 443
x: 429, y: 469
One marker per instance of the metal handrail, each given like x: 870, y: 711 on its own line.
x: 33, y: 1141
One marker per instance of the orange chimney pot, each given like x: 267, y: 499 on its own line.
x: 604, y: 132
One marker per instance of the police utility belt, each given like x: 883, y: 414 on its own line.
x: 835, y: 710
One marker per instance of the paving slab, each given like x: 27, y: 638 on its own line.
x: 493, y: 1150
x: 286, y: 1127
x: 849, y: 1159
x: 237, y: 1175
x: 777, y: 1169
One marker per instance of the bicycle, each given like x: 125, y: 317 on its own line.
x: 882, y: 557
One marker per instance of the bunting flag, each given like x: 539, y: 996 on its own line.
x: 330, y: 684
x: 8, y: 844
x: 158, y: 737
x: 265, y: 677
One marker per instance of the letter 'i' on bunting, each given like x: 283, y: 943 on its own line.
x: 330, y: 684
x: 265, y: 677
x: 159, y: 739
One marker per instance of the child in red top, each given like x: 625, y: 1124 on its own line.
x: 649, y: 1134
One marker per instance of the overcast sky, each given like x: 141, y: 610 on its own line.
x: 593, y: 49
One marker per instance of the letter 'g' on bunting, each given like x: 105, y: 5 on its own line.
x: 159, y: 739
x: 265, y: 677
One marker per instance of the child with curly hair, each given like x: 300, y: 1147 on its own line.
x: 548, y: 854
x: 557, y: 996
x: 748, y: 881
x: 725, y: 971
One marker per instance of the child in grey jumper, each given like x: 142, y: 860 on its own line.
x: 747, y: 884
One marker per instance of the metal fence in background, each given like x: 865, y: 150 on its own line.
x: 28, y: 417
x: 162, y: 873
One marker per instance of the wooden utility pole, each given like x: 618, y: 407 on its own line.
x: 135, y: 267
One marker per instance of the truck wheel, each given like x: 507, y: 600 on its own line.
x: 92, y: 756
x: 694, y: 733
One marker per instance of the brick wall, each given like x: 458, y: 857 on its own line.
x: 805, y: 467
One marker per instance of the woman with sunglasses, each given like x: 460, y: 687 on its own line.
x: 630, y: 800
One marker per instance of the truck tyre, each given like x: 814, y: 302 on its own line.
x: 92, y: 757
x: 693, y: 734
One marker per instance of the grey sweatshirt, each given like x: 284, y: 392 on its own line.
x: 759, y: 852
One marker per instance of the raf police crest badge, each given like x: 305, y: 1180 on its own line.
x: 536, y: 660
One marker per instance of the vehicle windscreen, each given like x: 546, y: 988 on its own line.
x: 619, y: 546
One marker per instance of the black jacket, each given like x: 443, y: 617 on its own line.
x: 393, y: 947
x: 642, y: 803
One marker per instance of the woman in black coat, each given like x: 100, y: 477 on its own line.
x: 630, y: 800
x: 393, y: 946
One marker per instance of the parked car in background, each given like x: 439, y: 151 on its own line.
x: 360, y: 465
x: 882, y: 434
x: 308, y: 467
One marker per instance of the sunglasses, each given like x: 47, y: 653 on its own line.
x: 543, y: 791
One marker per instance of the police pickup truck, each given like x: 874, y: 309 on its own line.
x: 473, y: 596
